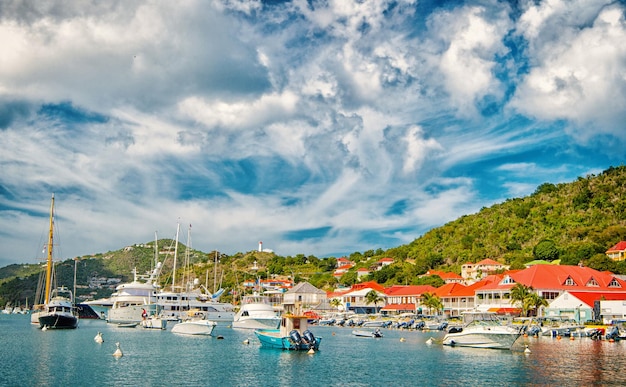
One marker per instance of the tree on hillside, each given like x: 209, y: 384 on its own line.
x: 546, y: 250
x: 372, y: 297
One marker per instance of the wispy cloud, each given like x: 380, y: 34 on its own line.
x: 318, y: 127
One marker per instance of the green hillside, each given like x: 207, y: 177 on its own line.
x: 574, y: 223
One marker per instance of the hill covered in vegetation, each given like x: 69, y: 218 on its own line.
x: 574, y: 223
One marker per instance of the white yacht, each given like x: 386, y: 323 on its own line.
x: 176, y: 305
x: 256, y: 313
x: 133, y: 301
x: 483, y: 330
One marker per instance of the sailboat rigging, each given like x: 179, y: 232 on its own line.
x: 57, y: 310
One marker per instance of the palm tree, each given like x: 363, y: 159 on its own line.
x: 533, y: 302
x: 519, y: 292
x: 373, y: 297
x: 335, y: 302
x: 431, y: 301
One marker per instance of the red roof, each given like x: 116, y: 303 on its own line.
x: 620, y: 246
x: 555, y: 277
x: 448, y: 289
x: 386, y: 260
x: 590, y: 298
x: 488, y: 262
x: 409, y: 290
x: 369, y: 284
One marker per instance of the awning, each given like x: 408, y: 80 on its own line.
x: 399, y: 308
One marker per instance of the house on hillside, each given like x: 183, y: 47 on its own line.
x: 382, y: 263
x: 362, y: 272
x: 341, y: 270
x: 471, y: 272
x: 447, y: 277
x: 617, y: 252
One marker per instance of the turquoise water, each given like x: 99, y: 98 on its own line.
x: 31, y: 357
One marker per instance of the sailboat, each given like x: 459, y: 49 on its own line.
x: 57, y: 310
x: 177, y: 304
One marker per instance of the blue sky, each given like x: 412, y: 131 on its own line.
x: 317, y: 127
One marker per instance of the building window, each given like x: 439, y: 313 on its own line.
x: 570, y: 282
x: 614, y: 284
x: 593, y: 282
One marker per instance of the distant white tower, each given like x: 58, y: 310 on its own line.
x: 260, y: 246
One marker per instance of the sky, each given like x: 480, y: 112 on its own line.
x: 318, y: 127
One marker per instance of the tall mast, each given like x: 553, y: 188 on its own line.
x: 49, y: 262
x: 175, y: 256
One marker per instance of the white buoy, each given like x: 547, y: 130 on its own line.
x: 311, y: 351
x: 98, y: 339
x: 402, y: 339
x: 527, y: 350
x: 45, y: 328
x: 118, y: 351
x: 246, y: 341
x: 429, y: 341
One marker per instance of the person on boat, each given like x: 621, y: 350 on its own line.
x: 144, y: 314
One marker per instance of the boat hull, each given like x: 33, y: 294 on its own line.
x: 271, y: 338
x: 202, y: 327
x: 257, y: 323
x: 367, y: 333
x: 57, y: 321
x: 482, y: 339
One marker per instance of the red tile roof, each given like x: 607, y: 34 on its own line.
x: 369, y: 284
x: 488, y: 262
x: 590, y: 298
x: 554, y: 277
x: 409, y: 290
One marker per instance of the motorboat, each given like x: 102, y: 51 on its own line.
x: 292, y: 334
x: 59, y: 312
x: 256, y: 312
x: 484, y: 330
x: 367, y: 333
x: 132, y: 301
x: 196, y: 324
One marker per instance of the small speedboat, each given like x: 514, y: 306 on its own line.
x: 292, y: 334
x: 365, y: 333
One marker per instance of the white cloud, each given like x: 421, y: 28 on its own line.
x: 579, y: 74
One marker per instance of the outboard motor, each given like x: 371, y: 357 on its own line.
x: 308, y: 337
x: 613, y: 334
x: 534, y: 331
x: 295, y: 337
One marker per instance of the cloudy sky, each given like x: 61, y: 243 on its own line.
x: 317, y: 127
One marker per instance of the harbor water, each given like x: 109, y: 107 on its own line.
x: 32, y: 357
